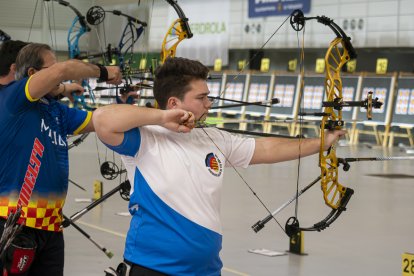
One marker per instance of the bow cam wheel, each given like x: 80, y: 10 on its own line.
x: 292, y: 226
x: 109, y: 170
x: 95, y: 15
x: 297, y: 20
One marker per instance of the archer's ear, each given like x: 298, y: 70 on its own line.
x: 172, y: 103
x: 13, y: 68
x: 31, y: 71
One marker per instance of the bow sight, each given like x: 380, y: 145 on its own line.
x: 338, y: 104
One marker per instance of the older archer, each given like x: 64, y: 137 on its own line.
x: 34, y: 161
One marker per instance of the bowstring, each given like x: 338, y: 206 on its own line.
x: 33, y: 17
x: 221, y: 94
x: 243, y: 179
x: 301, y: 52
x: 145, y: 49
x: 250, y: 60
x: 48, y: 13
x: 104, y: 61
x: 54, y: 25
x: 98, y: 37
x: 145, y: 46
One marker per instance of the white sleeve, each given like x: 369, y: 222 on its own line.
x: 239, y: 150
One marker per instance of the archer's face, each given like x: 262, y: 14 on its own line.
x: 49, y: 59
x: 196, y: 100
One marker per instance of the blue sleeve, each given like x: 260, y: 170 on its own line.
x: 76, y: 119
x: 13, y: 98
x: 130, y: 144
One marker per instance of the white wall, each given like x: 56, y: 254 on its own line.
x: 386, y: 23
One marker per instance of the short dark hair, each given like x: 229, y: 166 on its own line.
x: 8, y: 54
x: 172, y: 79
x: 30, y: 56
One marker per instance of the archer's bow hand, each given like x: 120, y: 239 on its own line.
x: 114, y: 75
x: 178, y: 120
x: 332, y: 136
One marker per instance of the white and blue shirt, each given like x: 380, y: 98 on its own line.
x: 176, y: 181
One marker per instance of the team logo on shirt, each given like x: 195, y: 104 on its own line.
x: 214, y: 165
x: 54, y: 136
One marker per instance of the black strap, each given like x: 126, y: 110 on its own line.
x: 103, y: 73
x: 137, y: 270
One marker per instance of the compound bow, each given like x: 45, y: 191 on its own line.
x: 125, y: 51
x: 340, y: 51
x: 335, y: 195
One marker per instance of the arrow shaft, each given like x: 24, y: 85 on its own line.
x: 260, y: 103
x: 390, y: 158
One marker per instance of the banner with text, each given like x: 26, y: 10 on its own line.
x: 209, y: 22
x: 263, y: 8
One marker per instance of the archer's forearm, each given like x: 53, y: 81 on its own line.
x: 273, y: 150
x: 119, y: 118
x: 47, y: 80
x: 110, y: 122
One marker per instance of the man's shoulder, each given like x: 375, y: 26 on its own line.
x: 13, y: 85
x: 10, y: 84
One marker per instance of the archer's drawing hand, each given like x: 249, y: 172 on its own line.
x: 178, y: 120
x: 72, y: 89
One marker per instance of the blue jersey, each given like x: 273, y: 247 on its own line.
x: 34, y: 154
x: 176, y: 181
